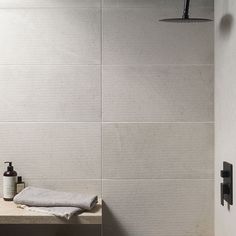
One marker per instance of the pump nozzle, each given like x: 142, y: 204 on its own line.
x: 10, y: 163
x: 10, y: 167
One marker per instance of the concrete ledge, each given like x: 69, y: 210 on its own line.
x: 11, y: 214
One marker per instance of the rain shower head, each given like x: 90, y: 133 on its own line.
x: 185, y: 18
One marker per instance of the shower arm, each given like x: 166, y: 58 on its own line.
x: 186, y: 16
x: 186, y: 10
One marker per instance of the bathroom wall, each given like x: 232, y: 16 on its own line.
x: 101, y: 97
x: 225, y: 117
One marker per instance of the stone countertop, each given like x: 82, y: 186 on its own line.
x: 11, y: 214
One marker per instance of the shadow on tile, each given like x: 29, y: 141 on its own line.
x: 111, y: 226
x: 226, y: 24
x: 50, y: 230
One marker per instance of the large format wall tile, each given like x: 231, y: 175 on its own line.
x: 156, y: 3
x: 50, y: 93
x: 158, y: 150
x: 45, y: 45
x: 88, y: 186
x: 48, y: 3
x: 135, y: 36
x: 158, y: 207
x: 52, y: 150
x: 50, y: 36
x: 158, y: 93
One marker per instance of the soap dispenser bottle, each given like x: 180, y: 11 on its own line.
x: 9, y: 182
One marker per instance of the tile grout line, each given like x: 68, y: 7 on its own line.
x: 89, y: 7
x: 106, y: 122
x: 81, y: 179
x: 157, y: 179
x: 49, y: 7
x: 156, y: 122
x: 110, y: 65
x: 101, y: 85
x: 161, y: 64
x: 119, y: 179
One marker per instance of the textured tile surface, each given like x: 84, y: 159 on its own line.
x: 156, y: 3
x: 48, y: 3
x: 67, y: 156
x: 158, y: 93
x: 50, y: 93
x: 90, y: 186
x: 135, y: 36
x: 158, y: 150
x: 50, y: 36
x: 158, y: 207
x: 52, y: 150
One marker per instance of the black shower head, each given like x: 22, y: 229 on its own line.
x: 185, y: 18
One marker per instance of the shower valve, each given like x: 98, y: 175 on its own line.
x: 226, y: 188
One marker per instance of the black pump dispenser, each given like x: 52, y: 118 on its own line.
x: 10, y: 167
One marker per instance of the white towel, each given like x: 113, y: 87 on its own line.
x: 61, y: 204
x: 64, y: 212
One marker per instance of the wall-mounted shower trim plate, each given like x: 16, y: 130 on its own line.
x: 227, y: 185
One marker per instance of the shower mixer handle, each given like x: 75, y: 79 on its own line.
x: 224, y: 189
x: 224, y: 173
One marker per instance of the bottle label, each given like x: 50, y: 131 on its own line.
x: 19, y: 187
x: 9, y: 186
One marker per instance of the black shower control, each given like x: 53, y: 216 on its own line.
x: 224, y: 174
x: 226, y: 187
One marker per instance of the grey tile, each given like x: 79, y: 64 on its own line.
x: 50, y: 93
x: 158, y: 150
x: 50, y: 36
x: 52, y: 150
x: 158, y: 207
x: 84, y: 186
x: 48, y: 3
x: 135, y: 36
x: 160, y: 3
x: 158, y: 93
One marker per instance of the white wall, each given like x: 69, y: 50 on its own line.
x: 101, y: 97
x: 225, y: 107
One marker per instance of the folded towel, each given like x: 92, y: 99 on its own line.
x: 58, y: 203
x: 64, y: 212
